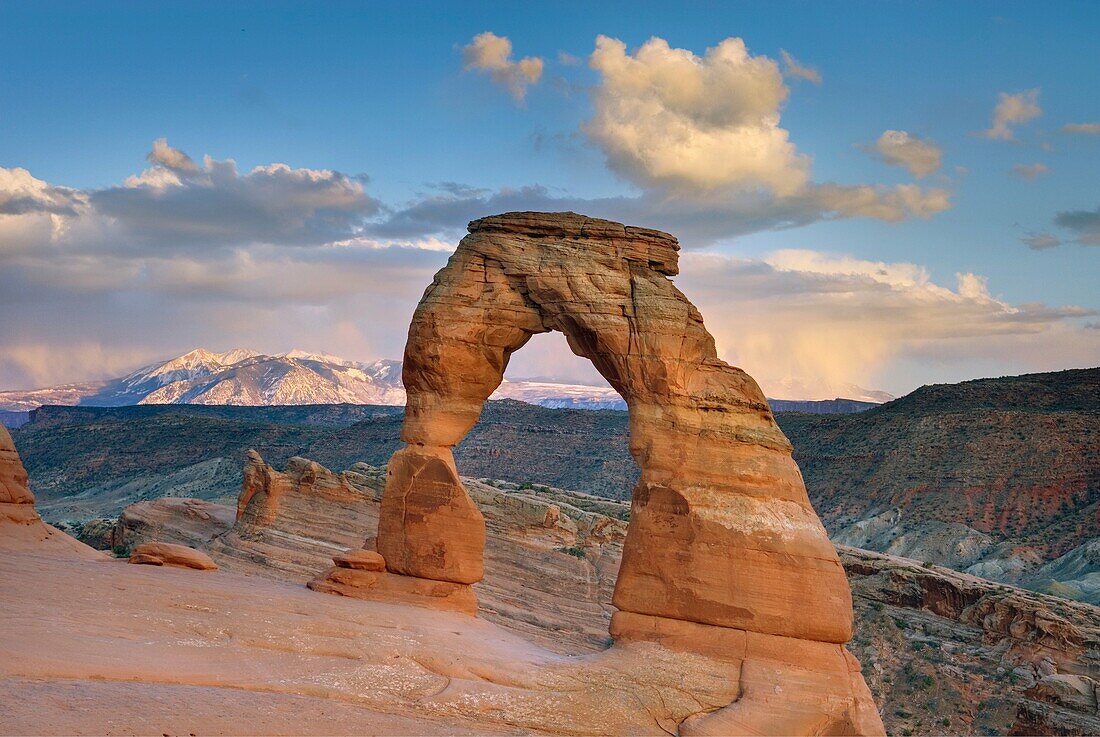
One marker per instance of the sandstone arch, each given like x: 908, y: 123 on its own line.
x: 724, y: 553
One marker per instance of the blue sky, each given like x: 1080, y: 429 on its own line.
x: 384, y: 94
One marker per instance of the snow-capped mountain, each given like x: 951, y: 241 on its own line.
x: 560, y: 396
x: 245, y: 377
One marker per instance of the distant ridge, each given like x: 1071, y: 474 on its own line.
x: 243, y: 377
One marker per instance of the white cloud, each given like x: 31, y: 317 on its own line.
x: 1012, y: 110
x: 94, y: 281
x: 568, y: 60
x: 803, y: 316
x: 698, y: 221
x: 883, y: 203
x: 666, y: 117
x: 795, y: 70
x: 899, y: 148
x: 21, y: 193
x: 267, y: 257
x: 701, y: 136
x: 490, y: 53
x: 1030, y: 172
x: 171, y: 158
x: 177, y: 204
x: 1089, y: 129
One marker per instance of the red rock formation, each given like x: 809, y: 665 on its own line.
x: 20, y: 526
x: 170, y: 554
x: 190, y: 522
x: 14, y: 493
x: 722, y: 532
x: 429, y: 527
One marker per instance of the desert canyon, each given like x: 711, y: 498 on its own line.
x: 473, y: 606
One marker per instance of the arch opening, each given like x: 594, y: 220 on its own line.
x: 720, y: 519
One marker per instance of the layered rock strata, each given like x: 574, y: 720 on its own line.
x: 722, y: 532
x: 551, y: 555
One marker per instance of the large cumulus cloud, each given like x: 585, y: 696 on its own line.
x: 666, y: 117
x: 701, y: 139
x: 804, y: 316
x: 177, y: 203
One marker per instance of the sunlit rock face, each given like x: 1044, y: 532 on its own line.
x: 20, y: 526
x: 723, y: 544
x: 13, y: 477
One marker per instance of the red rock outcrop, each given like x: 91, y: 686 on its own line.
x: 13, y: 481
x: 170, y: 554
x: 551, y: 555
x: 20, y: 526
x: 190, y: 522
x: 723, y: 543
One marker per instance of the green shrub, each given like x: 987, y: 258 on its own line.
x: 574, y: 551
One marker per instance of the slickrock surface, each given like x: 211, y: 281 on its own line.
x: 169, y: 554
x: 20, y: 526
x: 82, y: 633
x: 935, y: 645
x: 722, y: 532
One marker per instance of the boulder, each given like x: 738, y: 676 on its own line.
x: 361, y: 584
x: 142, y: 559
x: 360, y: 560
x: 170, y: 554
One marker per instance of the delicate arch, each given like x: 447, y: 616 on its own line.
x: 722, y: 531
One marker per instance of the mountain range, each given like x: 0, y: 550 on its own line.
x: 243, y: 377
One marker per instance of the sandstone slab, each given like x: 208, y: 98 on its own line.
x: 170, y: 554
x: 929, y: 650
x: 360, y: 560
